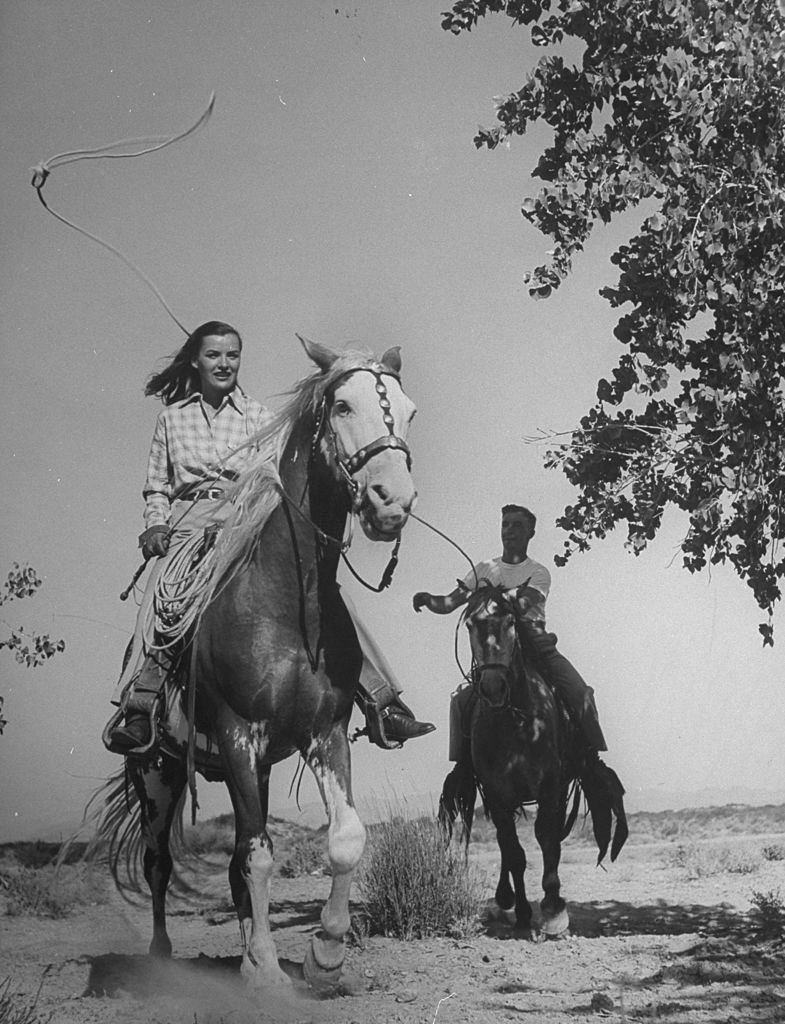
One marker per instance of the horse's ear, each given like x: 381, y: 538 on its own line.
x: 522, y: 587
x: 392, y: 359
x: 323, y: 357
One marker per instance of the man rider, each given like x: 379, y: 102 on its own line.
x: 512, y: 569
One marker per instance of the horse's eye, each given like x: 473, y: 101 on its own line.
x: 341, y: 408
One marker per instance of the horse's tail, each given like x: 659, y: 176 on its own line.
x: 605, y: 799
x: 112, y: 828
x: 575, y: 795
x: 459, y: 793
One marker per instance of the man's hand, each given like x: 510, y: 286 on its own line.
x: 421, y: 600
x: 154, y: 542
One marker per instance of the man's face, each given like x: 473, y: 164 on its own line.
x: 516, y: 533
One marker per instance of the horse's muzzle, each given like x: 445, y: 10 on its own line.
x: 493, y: 682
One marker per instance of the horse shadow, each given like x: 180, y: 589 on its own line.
x: 143, y: 976
x: 610, y: 918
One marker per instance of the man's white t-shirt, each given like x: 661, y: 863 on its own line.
x: 513, y: 574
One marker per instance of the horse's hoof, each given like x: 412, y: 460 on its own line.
x: 508, y: 916
x: 161, y: 948
x: 558, y: 926
x: 323, y: 964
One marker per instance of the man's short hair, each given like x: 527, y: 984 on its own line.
x: 524, y: 511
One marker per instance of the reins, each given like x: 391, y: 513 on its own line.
x: 348, y: 466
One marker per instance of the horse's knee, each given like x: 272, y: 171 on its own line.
x: 255, y: 858
x: 346, y: 842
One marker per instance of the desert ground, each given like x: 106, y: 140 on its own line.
x: 686, y: 926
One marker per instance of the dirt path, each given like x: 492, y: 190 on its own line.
x: 648, y: 942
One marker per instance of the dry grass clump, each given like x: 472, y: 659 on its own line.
x: 769, y: 912
x: 48, y: 892
x: 307, y: 857
x: 700, y: 860
x: 15, y: 1009
x: 415, y: 884
x: 214, y: 836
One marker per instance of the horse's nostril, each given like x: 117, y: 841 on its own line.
x: 381, y: 492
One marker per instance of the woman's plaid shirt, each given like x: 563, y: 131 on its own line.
x: 191, y: 447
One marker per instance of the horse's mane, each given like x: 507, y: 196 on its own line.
x: 257, y: 492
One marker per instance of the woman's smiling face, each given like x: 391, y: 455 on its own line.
x: 218, y: 365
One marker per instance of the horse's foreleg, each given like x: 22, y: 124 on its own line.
x: 251, y: 868
x: 330, y: 762
x: 238, y: 884
x: 548, y: 830
x: 511, y: 900
x: 159, y: 790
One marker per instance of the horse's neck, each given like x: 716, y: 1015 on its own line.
x: 318, y: 506
x: 525, y: 693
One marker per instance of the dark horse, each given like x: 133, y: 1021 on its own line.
x: 524, y: 750
x: 276, y: 658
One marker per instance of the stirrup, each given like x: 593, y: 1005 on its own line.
x: 374, y: 726
x: 145, y: 748
x: 109, y: 728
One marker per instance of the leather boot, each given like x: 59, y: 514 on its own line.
x: 400, y: 725
x: 135, y: 734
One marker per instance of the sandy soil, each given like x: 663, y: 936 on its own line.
x: 648, y: 942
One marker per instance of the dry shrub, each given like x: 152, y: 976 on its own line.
x: 415, y: 884
x: 214, y: 836
x: 16, y: 1009
x: 700, y: 860
x: 769, y: 912
x: 47, y: 892
x: 774, y: 851
x: 308, y: 857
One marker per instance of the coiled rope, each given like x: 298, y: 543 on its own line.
x: 114, y: 151
x: 179, y: 591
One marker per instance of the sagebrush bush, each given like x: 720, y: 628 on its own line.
x: 309, y: 857
x: 769, y: 912
x: 701, y: 860
x: 45, y: 892
x: 415, y: 884
x: 214, y: 836
x: 774, y: 851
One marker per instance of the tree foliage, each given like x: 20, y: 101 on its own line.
x: 30, y: 649
x: 678, y: 104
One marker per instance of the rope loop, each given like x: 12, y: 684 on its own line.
x: 113, y: 151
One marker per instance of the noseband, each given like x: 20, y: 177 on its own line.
x: 351, y: 464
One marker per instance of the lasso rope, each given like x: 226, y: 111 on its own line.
x: 151, y: 144
x: 178, y: 591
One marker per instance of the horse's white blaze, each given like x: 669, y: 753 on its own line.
x: 385, y: 490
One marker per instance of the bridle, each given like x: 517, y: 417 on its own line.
x: 506, y: 668
x: 348, y: 466
x: 351, y: 464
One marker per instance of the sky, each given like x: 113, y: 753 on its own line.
x: 335, y: 192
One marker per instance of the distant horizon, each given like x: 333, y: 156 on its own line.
x: 311, y: 814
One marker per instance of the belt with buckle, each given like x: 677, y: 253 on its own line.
x: 205, y: 493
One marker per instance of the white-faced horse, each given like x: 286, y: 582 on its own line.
x: 276, y: 655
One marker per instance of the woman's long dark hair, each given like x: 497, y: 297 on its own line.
x: 180, y: 379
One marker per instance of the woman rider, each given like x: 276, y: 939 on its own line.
x: 199, y: 445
